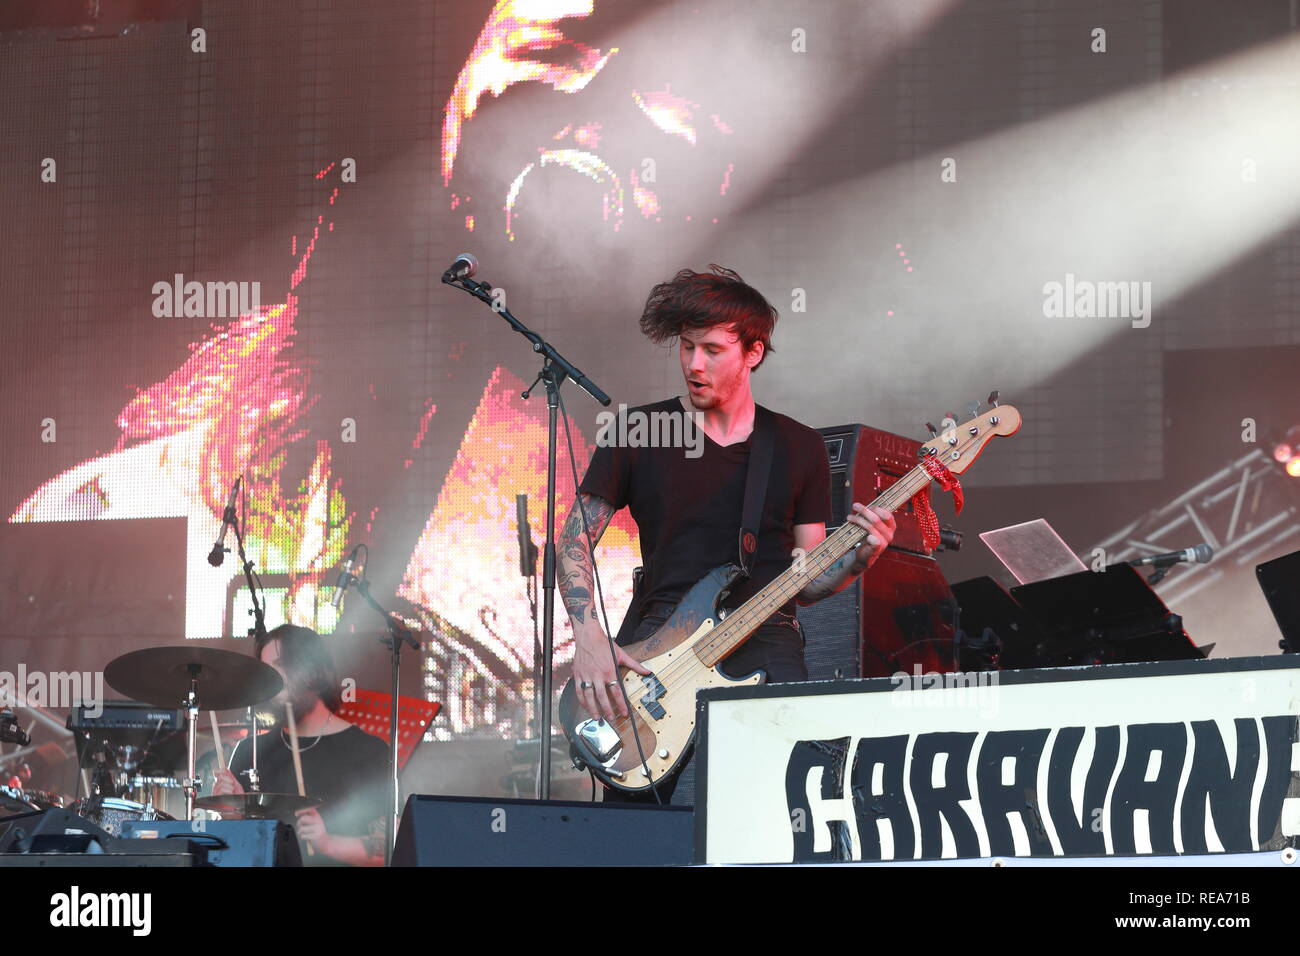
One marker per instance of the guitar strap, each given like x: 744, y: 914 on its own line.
x: 756, y: 479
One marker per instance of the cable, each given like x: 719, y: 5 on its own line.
x: 600, y: 597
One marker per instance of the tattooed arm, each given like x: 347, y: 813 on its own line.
x: 574, y: 574
x: 881, y: 526
x: 593, y: 663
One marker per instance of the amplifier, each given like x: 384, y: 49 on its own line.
x: 864, y: 462
x: 896, y: 617
x: 127, y: 715
x: 231, y: 842
x: 476, y: 831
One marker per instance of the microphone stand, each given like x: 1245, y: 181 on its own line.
x: 530, y: 589
x: 257, y: 631
x: 555, y: 369
x: 397, y: 635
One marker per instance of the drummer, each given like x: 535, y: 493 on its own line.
x: 341, y: 764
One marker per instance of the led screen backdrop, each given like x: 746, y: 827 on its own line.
x: 222, y: 248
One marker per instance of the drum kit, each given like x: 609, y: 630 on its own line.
x: 142, y: 753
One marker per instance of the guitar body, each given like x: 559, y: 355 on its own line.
x: 663, y: 702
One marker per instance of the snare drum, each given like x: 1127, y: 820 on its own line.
x: 111, y: 812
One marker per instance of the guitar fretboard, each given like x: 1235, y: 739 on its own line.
x: 742, y: 622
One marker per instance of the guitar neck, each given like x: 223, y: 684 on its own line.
x: 742, y: 622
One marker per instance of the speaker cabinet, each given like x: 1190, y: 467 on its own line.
x: 247, y: 842
x: 477, y: 831
x: 864, y: 462
x: 895, y: 617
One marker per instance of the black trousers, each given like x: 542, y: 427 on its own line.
x: 776, y: 647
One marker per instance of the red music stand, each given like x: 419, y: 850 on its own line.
x: 371, y: 711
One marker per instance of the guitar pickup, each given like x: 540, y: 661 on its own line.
x: 654, y: 690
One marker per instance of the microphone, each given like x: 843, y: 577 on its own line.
x: 10, y: 732
x: 346, y: 578
x: 463, y: 268
x: 527, y: 550
x: 218, y: 553
x: 1200, y: 554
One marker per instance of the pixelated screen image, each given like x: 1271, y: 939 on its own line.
x: 222, y: 255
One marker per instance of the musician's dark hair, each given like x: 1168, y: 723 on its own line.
x: 703, y: 300
x: 304, y: 654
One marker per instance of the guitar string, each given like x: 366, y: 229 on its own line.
x: 828, y: 545
x: 767, y: 598
x: 819, y: 560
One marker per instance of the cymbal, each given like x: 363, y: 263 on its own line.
x: 258, y: 804
x: 161, y: 676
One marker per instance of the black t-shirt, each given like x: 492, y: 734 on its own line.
x: 347, y: 770
x: 688, y: 510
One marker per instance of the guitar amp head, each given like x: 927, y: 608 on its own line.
x: 864, y: 462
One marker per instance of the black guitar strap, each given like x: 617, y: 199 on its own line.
x: 756, y: 478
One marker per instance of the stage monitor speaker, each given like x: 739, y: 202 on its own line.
x: 995, y: 620
x: 896, y: 617
x: 1280, y: 581
x: 247, y: 842
x: 17, y: 832
x: 478, y: 831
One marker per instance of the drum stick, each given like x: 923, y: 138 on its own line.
x: 293, y: 748
x: 216, y: 739
x: 297, y: 760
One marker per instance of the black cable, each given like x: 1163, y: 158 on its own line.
x: 217, y: 841
x: 600, y: 597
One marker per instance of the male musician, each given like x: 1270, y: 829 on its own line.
x: 688, y: 506
x: 341, y: 763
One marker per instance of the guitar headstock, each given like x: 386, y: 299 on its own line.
x: 958, y: 446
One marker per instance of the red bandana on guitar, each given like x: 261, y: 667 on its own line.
x: 921, y: 500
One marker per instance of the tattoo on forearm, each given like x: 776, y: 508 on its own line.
x: 830, y: 580
x: 574, y: 574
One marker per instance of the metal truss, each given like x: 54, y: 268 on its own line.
x: 1249, y: 510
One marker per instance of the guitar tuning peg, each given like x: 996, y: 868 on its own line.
x: 934, y: 432
x: 973, y: 409
x: 993, y: 398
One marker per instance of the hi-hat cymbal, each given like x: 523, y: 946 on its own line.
x: 161, y: 676
x: 281, y: 806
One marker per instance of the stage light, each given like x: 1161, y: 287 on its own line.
x: 1293, y: 467
x: 1165, y: 159
x: 1288, y: 448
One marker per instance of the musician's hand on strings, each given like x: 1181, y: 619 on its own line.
x: 880, y: 525
x: 311, y: 829
x: 596, y: 679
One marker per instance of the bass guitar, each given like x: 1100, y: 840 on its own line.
x: 634, y: 752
